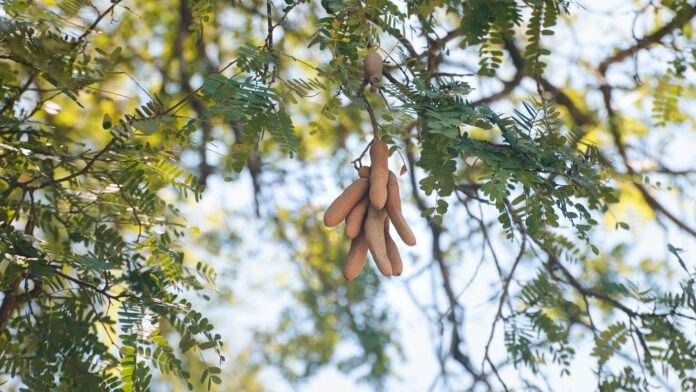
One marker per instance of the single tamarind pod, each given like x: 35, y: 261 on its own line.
x: 357, y: 255
x: 364, y: 172
x: 355, y: 219
x: 397, y: 265
x: 379, y: 173
x: 374, y: 235
x: 373, y: 67
x: 341, y: 206
x: 395, y: 261
x: 394, y: 211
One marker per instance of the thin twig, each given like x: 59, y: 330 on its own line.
x: 499, y: 313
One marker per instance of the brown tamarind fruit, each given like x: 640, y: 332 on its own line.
x: 355, y: 218
x: 344, y: 203
x: 374, y: 235
x: 379, y: 173
x: 397, y: 265
x: 357, y: 255
x: 394, y: 211
x: 364, y: 172
x: 373, y: 64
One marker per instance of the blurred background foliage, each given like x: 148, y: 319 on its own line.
x: 165, y: 166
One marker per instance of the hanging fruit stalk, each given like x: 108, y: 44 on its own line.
x: 368, y: 223
x: 370, y: 203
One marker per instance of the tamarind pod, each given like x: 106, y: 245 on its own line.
x: 395, y: 261
x: 379, y: 173
x: 364, y: 172
x: 374, y: 235
x: 397, y: 265
x: 355, y: 218
x: 394, y: 211
x: 341, y: 206
x: 357, y: 255
x: 373, y: 64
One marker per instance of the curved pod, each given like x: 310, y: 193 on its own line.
x: 355, y: 218
x: 357, y: 255
x: 344, y: 203
x: 374, y: 234
x: 395, y: 261
x: 394, y: 211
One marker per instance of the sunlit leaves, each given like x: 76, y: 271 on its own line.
x: 610, y: 341
x: 543, y: 18
x: 251, y: 107
x: 202, y: 12
x: 534, y: 166
x: 88, y: 231
x: 280, y: 126
x: 665, y: 106
x: 487, y: 24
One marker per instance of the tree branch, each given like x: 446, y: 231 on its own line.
x: 678, y: 21
x: 438, y: 257
x: 394, y: 33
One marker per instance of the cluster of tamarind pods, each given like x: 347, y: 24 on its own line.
x: 368, y: 205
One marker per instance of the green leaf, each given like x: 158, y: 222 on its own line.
x: 106, y: 122
x: 675, y: 251
x: 147, y: 126
x: 281, y: 128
